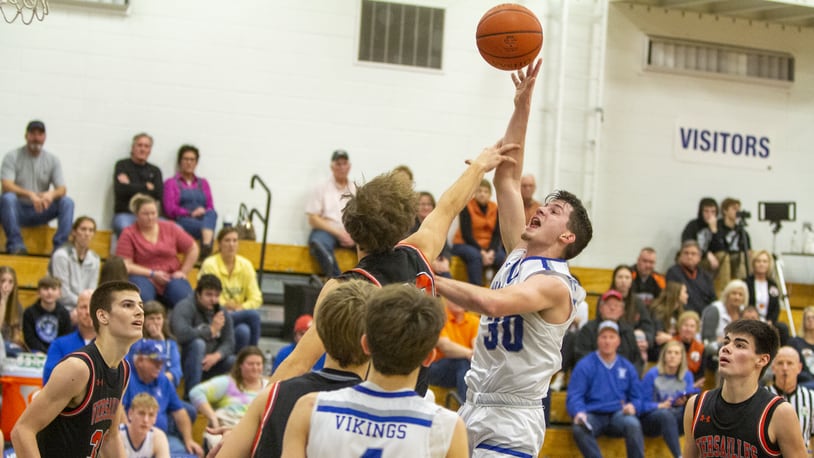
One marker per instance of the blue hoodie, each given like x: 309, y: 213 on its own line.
x: 593, y: 388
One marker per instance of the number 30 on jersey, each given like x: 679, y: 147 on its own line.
x: 506, y: 331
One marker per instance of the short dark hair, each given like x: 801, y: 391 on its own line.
x: 704, y: 203
x: 102, y: 298
x: 767, y: 341
x: 226, y: 230
x: 208, y: 281
x: 187, y: 148
x: 402, y: 325
x: 340, y: 322
x: 49, y: 282
x: 578, y: 222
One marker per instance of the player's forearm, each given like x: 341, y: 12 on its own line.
x: 25, y: 441
x: 464, y: 294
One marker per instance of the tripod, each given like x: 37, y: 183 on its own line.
x: 781, y: 279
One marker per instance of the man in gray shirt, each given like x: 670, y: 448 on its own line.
x: 27, y: 175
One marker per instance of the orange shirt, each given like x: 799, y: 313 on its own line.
x: 462, y: 333
x: 483, y: 224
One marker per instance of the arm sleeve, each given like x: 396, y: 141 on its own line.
x: 158, y: 186
x: 254, y: 298
x: 57, y: 177
x: 635, y: 391
x: 210, y: 203
x: 211, y: 391
x: 183, y: 241
x: 126, y: 191
x: 8, y: 170
x: 648, y: 399
x: 175, y: 363
x: 124, y: 246
x: 181, y: 324
x: 172, y: 199
x: 577, y: 387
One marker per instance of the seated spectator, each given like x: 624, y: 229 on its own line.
x: 83, y: 335
x: 188, y: 200
x: 113, y: 269
x: 205, y: 332
x: 647, y: 283
x: 75, y: 264
x: 688, y: 325
x: 426, y: 204
x: 604, y: 396
x: 804, y: 344
x: 301, y: 326
x: 750, y: 312
x: 157, y: 327
x: 46, y: 319
x: 147, y: 377
x: 699, y: 281
x: 11, y: 313
x: 765, y: 294
x: 665, y: 389
x: 528, y: 186
x: 786, y: 367
x: 611, y: 308
x: 665, y: 310
x: 27, y: 175
x: 730, y: 244
x: 223, y: 400
x: 715, y: 318
x: 455, y: 346
x: 150, y: 249
x: 241, y: 295
x: 139, y: 434
x: 636, y: 313
x: 134, y: 175
x: 701, y: 230
x: 324, y: 211
x: 477, y: 241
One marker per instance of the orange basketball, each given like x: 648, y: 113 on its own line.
x: 509, y: 36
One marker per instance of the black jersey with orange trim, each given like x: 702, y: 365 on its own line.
x: 737, y: 430
x: 80, y: 431
x: 404, y: 264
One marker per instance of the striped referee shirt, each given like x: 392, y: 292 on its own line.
x: 802, y: 399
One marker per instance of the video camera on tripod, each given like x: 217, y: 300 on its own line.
x: 776, y: 213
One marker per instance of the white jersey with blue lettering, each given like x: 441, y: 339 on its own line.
x: 366, y: 421
x: 517, y: 355
x: 143, y: 451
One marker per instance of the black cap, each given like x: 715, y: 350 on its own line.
x: 339, y: 154
x: 35, y: 125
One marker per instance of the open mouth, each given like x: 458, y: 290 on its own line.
x: 723, y: 360
x: 534, y: 222
x: 138, y: 323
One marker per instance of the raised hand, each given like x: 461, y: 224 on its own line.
x: 492, y: 156
x: 524, y: 82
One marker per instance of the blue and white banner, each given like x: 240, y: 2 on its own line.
x: 725, y: 144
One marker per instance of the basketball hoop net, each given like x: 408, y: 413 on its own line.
x: 26, y: 10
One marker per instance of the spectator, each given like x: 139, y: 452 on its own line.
x: 426, y: 204
x: 527, y: 188
x: 27, y: 176
x: 688, y: 325
x: 764, y: 293
x: 113, y: 269
x: 241, y: 295
x: 46, y: 319
x: 665, y: 310
x: 750, y: 312
x: 804, y: 344
x: 223, y: 400
x: 301, y: 326
x: 636, y: 313
x: 324, y: 211
x: 156, y: 327
x: 702, y: 229
x: 455, y: 346
x: 604, y: 396
x: 205, y: 332
x: 786, y: 367
x: 188, y: 200
x: 139, y: 433
x: 75, y: 264
x: 715, y: 318
x: 665, y: 389
x: 83, y: 335
x: 699, y: 282
x: 611, y: 308
x: 147, y: 377
x: 11, y: 313
x: 647, y: 283
x: 134, y: 175
x: 730, y: 244
x: 405, y: 171
x: 150, y: 249
x: 477, y: 241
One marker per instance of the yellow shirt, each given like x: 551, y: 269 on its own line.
x: 239, y: 286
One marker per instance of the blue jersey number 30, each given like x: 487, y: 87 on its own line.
x: 511, y: 336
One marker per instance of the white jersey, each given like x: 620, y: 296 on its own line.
x: 146, y: 449
x: 517, y: 355
x: 366, y: 421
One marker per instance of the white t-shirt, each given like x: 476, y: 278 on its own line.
x: 328, y: 200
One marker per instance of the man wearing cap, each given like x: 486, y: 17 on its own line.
x: 134, y: 175
x: 27, y: 175
x: 324, y: 211
x: 604, y: 396
x: 148, y: 377
x: 301, y: 326
x: 611, y: 307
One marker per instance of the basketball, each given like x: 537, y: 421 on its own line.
x: 509, y: 36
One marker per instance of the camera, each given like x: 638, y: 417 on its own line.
x: 743, y: 214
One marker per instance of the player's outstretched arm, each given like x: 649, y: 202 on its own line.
x: 785, y: 429
x: 539, y: 292
x: 67, y: 386
x: 690, y: 449
x: 310, y: 347
x: 459, y: 447
x: 112, y: 444
x: 295, y: 439
x: 239, y: 441
x: 432, y: 235
x: 507, y: 175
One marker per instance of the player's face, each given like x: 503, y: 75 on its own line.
x: 761, y: 264
x: 737, y: 355
x: 228, y: 244
x: 83, y: 234
x: 141, y: 418
x: 622, y: 281
x: 608, y: 342
x: 646, y: 263
x: 549, y: 223
x: 141, y: 149
x: 126, y: 315
x: 252, y: 368
x: 672, y: 357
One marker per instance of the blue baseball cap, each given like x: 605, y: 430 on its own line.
x: 154, y: 349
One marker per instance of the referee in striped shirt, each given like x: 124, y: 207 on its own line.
x: 786, y: 366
